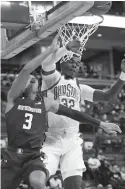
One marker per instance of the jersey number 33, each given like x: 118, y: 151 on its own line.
x: 70, y: 103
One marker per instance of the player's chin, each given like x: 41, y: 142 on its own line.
x: 72, y: 74
x: 27, y: 93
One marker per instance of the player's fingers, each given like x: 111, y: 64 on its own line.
x: 114, y: 127
x: 117, y: 128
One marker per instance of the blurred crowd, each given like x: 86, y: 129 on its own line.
x: 113, y: 111
x: 86, y: 70
x: 101, y: 173
x: 109, y: 143
x: 93, y: 71
x: 7, y: 79
x: 105, y: 172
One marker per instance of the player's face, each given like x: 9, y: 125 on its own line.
x: 31, y: 88
x: 71, y: 67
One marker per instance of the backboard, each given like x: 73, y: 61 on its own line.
x: 49, y: 22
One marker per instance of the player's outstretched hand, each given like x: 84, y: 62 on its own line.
x: 123, y: 65
x: 55, y: 44
x: 110, y: 128
x: 74, y: 46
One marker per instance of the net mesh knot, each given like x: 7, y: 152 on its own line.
x: 71, y: 31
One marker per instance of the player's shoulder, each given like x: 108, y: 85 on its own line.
x: 84, y: 86
x: 54, y: 74
x: 50, y: 80
x: 11, y: 104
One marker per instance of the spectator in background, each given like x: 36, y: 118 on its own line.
x: 99, y: 140
x: 115, y: 181
x: 122, y: 173
x: 104, y: 118
x: 94, y: 164
x: 104, y: 172
x: 123, y: 144
x: 115, y: 177
x: 114, y: 169
x: 109, y: 186
x: 101, y: 156
x: 55, y: 182
x: 100, y: 186
x: 122, y: 124
x: 3, y: 107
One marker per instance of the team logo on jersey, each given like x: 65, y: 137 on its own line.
x: 65, y: 90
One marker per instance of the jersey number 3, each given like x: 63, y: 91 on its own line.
x: 28, y: 121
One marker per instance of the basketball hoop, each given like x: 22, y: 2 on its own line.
x: 79, y: 28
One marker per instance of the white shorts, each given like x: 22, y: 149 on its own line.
x: 66, y: 152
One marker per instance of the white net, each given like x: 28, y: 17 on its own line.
x: 79, y: 28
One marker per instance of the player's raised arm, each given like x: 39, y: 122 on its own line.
x: 90, y: 94
x: 59, y: 109
x: 114, y: 90
x: 20, y: 82
x: 50, y: 75
x: 49, y: 63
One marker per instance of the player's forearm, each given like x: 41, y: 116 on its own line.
x: 34, y: 63
x: 115, y: 89
x: 78, y: 116
x: 112, y: 93
x: 50, y: 62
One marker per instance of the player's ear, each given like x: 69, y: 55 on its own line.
x: 63, y: 67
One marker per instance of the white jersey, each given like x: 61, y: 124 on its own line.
x: 68, y: 93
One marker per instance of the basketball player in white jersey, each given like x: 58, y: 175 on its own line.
x: 63, y: 146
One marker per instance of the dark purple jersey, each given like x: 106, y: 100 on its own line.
x: 26, y: 124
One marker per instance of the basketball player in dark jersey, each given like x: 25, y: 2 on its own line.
x: 26, y: 123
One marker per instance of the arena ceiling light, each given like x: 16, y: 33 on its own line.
x: 113, y: 21
x: 109, y: 21
x: 6, y: 3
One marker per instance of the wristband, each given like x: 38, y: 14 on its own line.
x: 122, y: 76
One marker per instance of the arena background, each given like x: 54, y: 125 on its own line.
x: 100, y: 67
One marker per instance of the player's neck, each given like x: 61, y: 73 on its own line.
x: 67, y: 77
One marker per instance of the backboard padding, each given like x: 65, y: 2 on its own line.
x: 59, y: 17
